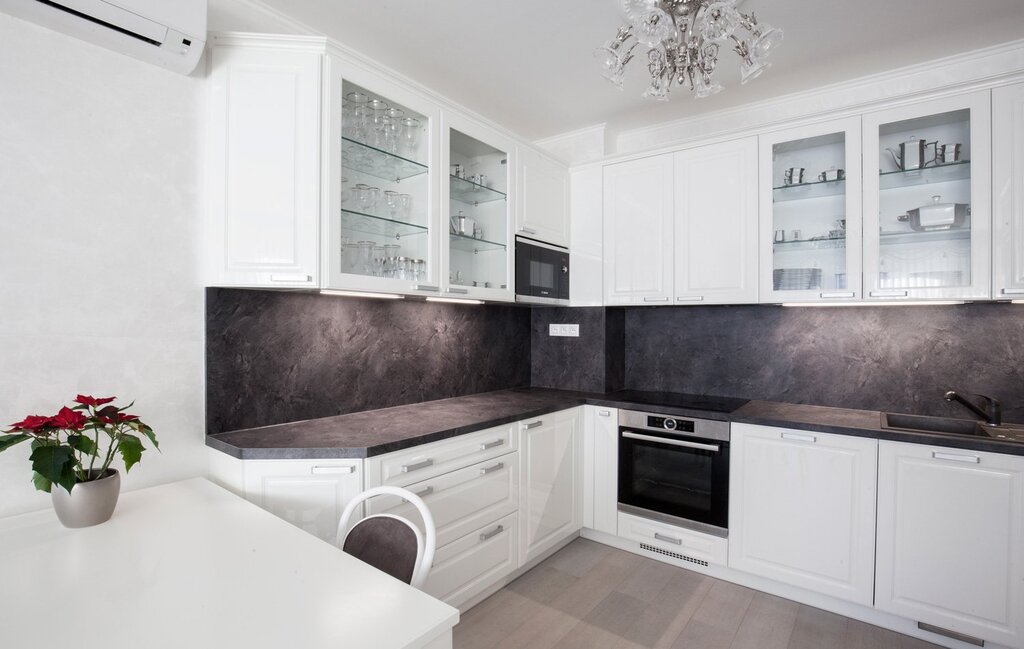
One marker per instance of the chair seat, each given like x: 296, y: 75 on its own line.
x: 386, y: 543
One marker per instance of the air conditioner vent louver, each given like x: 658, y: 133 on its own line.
x: 674, y: 555
x: 93, y: 19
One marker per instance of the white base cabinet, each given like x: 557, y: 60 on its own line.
x: 600, y: 469
x: 466, y: 567
x: 951, y: 539
x: 802, y: 509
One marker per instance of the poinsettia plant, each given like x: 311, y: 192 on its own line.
x: 79, y: 443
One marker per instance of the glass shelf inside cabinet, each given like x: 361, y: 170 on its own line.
x: 377, y: 163
x: 811, y: 244
x: 467, y: 191
x: 892, y: 238
x: 471, y: 244
x: 934, y: 174
x: 378, y: 225
x: 817, y: 189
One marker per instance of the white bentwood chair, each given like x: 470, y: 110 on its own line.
x: 390, y: 543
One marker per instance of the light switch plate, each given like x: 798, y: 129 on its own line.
x: 572, y: 330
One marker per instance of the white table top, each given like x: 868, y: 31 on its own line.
x: 191, y: 565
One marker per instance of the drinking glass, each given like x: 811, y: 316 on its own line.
x: 410, y: 137
x: 373, y: 199
x: 358, y: 115
x: 378, y: 261
x: 393, y: 129
x: 365, y: 263
x: 405, y: 205
x: 378, y: 115
x: 392, y: 202
x: 349, y: 257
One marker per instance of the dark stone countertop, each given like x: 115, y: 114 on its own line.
x: 375, y: 432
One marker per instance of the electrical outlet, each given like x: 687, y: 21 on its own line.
x: 571, y: 330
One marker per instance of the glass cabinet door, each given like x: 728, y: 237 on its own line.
x: 927, y: 200
x: 810, y: 213
x: 478, y: 198
x: 381, y: 232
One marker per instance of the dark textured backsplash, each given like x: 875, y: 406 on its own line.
x: 879, y: 358
x: 593, y: 362
x: 275, y: 357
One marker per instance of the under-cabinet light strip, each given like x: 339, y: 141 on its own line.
x: 380, y: 296
x: 879, y: 303
x: 1016, y: 301
x: 454, y: 300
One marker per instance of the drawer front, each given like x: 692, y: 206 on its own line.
x: 676, y: 542
x: 471, y: 564
x: 403, y: 468
x: 463, y: 500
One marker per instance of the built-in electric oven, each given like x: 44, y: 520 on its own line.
x: 675, y: 470
x: 542, y: 272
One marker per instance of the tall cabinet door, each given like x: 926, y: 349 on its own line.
x: 543, y: 211
x: 716, y: 224
x: 810, y: 216
x: 927, y: 200
x: 638, y: 241
x: 264, y: 210
x: 1008, y: 192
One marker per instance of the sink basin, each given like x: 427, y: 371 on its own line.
x: 922, y: 424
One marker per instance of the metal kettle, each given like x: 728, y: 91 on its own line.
x: 911, y: 154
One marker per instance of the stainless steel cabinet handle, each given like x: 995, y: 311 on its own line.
x: 294, y: 277
x: 837, y: 295
x: 426, y: 287
x: 459, y: 291
x: 406, y: 468
x: 800, y: 437
x: 667, y: 539
x: 888, y: 293
x: 492, y: 469
x: 970, y: 459
x: 672, y: 442
x: 527, y: 230
x: 1012, y: 291
x: 690, y: 298
x: 655, y: 299
x: 497, y: 442
x: 328, y: 470
x: 534, y: 424
x: 604, y: 413
x: 496, y: 531
x: 426, y: 491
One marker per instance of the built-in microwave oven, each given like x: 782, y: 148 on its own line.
x: 542, y: 272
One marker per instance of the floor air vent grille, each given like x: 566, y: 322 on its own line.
x: 674, y: 555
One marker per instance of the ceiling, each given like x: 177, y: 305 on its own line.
x: 528, y: 64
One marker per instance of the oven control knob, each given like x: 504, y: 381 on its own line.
x: 670, y: 424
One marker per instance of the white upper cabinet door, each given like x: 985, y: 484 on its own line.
x: 638, y: 217
x: 543, y: 211
x: 716, y: 224
x: 802, y: 509
x: 1008, y: 191
x: 810, y: 213
x: 264, y: 210
x: 927, y: 200
x: 586, y: 237
x: 951, y: 539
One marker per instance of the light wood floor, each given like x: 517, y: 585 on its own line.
x: 591, y: 596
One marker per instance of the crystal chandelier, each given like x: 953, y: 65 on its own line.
x: 684, y: 37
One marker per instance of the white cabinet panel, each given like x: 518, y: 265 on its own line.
x: 600, y: 469
x: 638, y: 230
x: 1008, y: 191
x: 716, y: 224
x: 264, y: 176
x: 802, y: 509
x: 551, y: 483
x: 468, y: 566
x: 951, y: 539
x: 586, y: 236
x: 418, y: 463
x: 543, y: 211
x: 681, y: 544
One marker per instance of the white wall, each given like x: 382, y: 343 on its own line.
x: 99, y: 220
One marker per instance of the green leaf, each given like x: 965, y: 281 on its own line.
x: 147, y: 431
x: 130, y: 447
x: 41, y: 483
x: 56, y: 464
x: 82, y: 444
x: 7, y: 441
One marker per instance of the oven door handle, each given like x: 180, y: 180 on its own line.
x: 672, y: 442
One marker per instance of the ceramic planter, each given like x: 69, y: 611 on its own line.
x: 89, y: 503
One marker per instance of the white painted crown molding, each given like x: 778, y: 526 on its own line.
x: 577, y: 146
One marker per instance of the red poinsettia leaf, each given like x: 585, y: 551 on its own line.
x: 31, y: 423
x: 124, y: 417
x: 69, y: 419
x: 87, y: 400
x: 108, y: 411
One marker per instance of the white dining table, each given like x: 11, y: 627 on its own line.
x: 190, y: 564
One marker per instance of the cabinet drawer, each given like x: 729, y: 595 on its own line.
x: 474, y: 562
x: 403, y: 468
x: 462, y: 500
x: 675, y: 542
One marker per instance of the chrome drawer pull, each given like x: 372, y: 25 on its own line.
x: 426, y: 491
x: 497, y: 442
x: 840, y: 295
x: 492, y: 469
x: 527, y: 230
x: 888, y: 293
x: 406, y: 468
x: 496, y: 531
x: 604, y: 413
x: 667, y: 539
x: 328, y: 470
x: 459, y: 291
x: 534, y: 424
x: 970, y: 459
x: 298, y: 277
x: 672, y: 442
x: 1012, y: 291
x: 690, y: 298
x: 426, y: 287
x: 655, y: 299
x: 800, y: 438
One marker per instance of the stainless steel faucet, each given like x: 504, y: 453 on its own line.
x: 992, y: 413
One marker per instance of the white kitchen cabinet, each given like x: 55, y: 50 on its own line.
x: 600, y: 468
x: 469, y: 566
x: 947, y: 255
x: 543, y: 211
x: 802, y: 509
x: 263, y: 220
x: 1008, y: 192
x: 951, y: 539
x: 716, y: 224
x: 810, y: 213
x: 551, y: 482
x: 638, y: 231
x: 586, y: 237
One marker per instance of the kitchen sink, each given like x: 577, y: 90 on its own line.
x: 951, y: 426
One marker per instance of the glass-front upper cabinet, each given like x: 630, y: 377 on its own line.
x: 382, y: 207
x: 927, y: 200
x: 810, y: 213
x: 478, y: 255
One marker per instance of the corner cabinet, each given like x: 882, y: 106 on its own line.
x: 600, y: 469
x: 951, y: 540
x: 1008, y: 192
x: 543, y: 210
x: 263, y: 219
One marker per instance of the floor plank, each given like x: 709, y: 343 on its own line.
x: 715, y: 622
x: 768, y: 623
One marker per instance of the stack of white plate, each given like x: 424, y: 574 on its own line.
x: 796, y: 279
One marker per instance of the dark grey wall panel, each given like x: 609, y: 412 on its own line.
x: 275, y: 357
x: 593, y: 362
